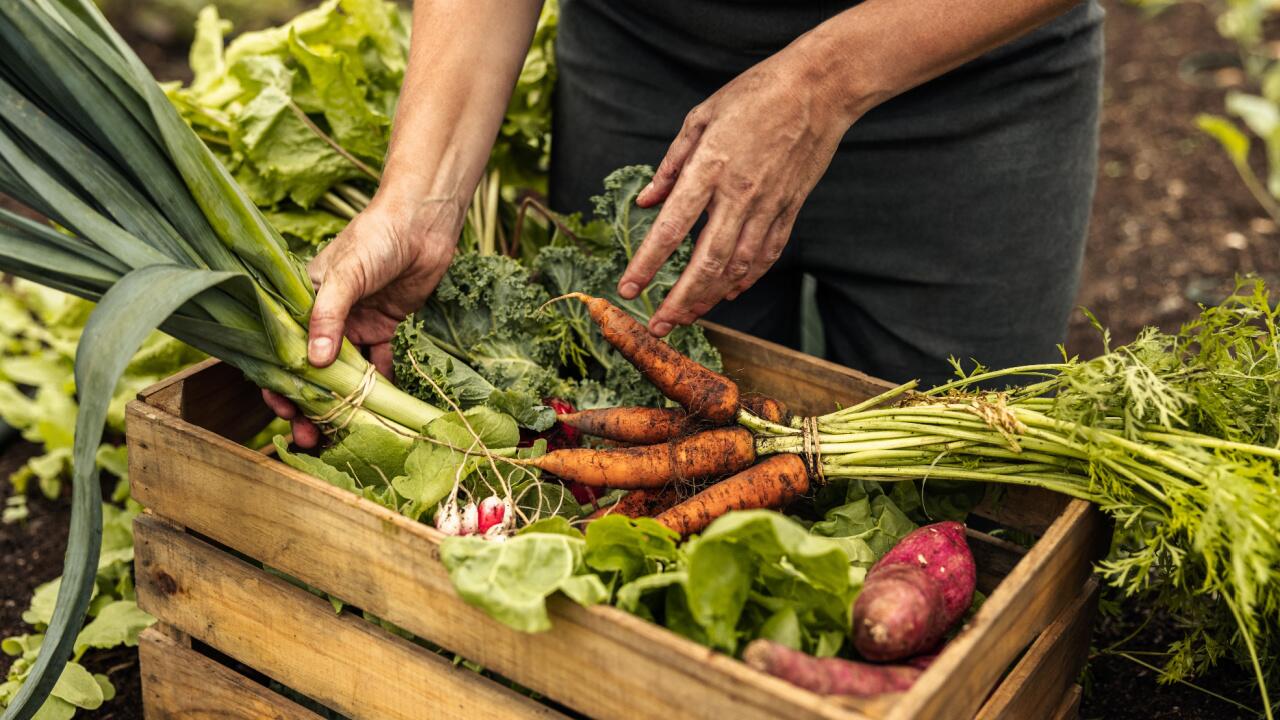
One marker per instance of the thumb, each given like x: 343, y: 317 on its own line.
x: 333, y: 303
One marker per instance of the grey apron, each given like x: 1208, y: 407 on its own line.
x: 951, y: 222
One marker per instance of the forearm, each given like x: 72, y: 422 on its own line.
x: 464, y: 58
x: 881, y: 48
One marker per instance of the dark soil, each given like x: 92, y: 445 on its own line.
x: 1172, y: 222
x: 1172, y: 225
x: 31, y: 553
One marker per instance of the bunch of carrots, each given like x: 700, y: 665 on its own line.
x: 660, y: 452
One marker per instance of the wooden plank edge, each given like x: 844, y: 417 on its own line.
x: 178, y: 682
x: 1070, y: 707
x: 957, y: 683
x: 1050, y: 667
x: 223, y: 602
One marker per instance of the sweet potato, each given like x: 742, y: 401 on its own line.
x: 828, y: 676
x: 915, y: 593
x: 898, y: 614
x: 943, y: 553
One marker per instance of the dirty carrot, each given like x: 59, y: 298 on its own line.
x: 704, y: 393
x: 771, y: 484
x: 641, y: 503
x: 775, y: 411
x: 636, y: 425
x: 706, y: 454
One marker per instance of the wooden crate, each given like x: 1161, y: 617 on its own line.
x: 219, y: 512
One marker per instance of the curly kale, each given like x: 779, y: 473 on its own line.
x: 482, y: 339
x: 485, y: 337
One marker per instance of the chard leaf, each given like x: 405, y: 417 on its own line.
x: 77, y: 687
x: 119, y: 623
x: 314, y: 466
x: 512, y: 580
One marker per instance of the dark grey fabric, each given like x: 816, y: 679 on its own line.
x: 952, y: 219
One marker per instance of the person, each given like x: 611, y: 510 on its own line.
x: 930, y: 163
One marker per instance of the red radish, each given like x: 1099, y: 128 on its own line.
x: 943, y: 553
x: 493, y: 510
x: 828, y: 676
x: 470, y: 519
x: 898, y: 614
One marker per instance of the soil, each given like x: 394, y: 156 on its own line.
x: 1172, y: 222
x: 1172, y: 226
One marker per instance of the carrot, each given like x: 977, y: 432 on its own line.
x: 701, y: 455
x: 705, y: 394
x: 828, y: 676
x: 637, y: 425
x: 766, y: 407
x: 771, y: 484
x: 641, y: 503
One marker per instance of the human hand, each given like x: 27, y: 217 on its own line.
x: 375, y: 272
x: 749, y: 156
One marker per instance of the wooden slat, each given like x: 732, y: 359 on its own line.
x: 343, y: 662
x: 809, y: 385
x: 179, y: 683
x: 994, y: 557
x: 1037, y: 590
x: 1070, y: 707
x: 1049, y: 669
x: 1028, y: 509
x: 214, y: 396
x: 389, y: 565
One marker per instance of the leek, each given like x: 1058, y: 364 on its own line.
x: 150, y: 225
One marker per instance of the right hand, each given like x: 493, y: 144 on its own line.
x: 375, y: 272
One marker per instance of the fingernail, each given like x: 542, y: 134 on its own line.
x: 647, y: 188
x: 320, y: 350
x: 661, y: 329
x: 629, y: 290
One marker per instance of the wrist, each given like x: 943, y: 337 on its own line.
x: 841, y: 66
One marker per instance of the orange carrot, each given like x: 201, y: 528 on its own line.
x: 701, y: 455
x: 704, y: 393
x: 770, y: 484
x: 641, y: 503
x: 637, y: 425
x: 766, y: 407
x: 828, y: 676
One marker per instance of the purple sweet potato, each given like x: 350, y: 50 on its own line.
x: 914, y: 594
x: 828, y: 676
x: 942, y: 552
x: 898, y: 614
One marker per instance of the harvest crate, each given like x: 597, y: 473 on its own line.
x: 229, y: 631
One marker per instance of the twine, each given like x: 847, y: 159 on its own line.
x: 329, y: 422
x: 812, y: 449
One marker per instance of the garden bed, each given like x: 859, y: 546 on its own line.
x: 219, y: 512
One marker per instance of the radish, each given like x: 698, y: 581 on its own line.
x: 493, y: 513
x: 448, y: 521
x: 470, y: 520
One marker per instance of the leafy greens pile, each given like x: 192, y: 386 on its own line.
x: 301, y: 116
x: 752, y: 574
x: 491, y: 335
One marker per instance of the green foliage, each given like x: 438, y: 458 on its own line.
x: 38, y: 336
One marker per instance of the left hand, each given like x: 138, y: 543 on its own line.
x: 749, y: 156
